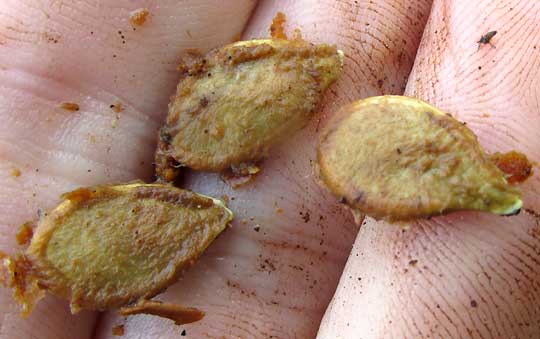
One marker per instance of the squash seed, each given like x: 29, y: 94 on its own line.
x: 398, y: 158
x: 238, y: 100
x: 107, y: 246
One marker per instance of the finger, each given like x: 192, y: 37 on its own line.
x: 466, y: 274
x: 273, y: 273
x: 86, y: 52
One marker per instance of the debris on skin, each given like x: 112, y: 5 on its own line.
x: 117, y: 107
x: 166, y: 168
x: 69, y: 106
x: 114, y: 121
x: 17, y: 273
x: 245, y: 169
x: 413, y: 262
x: 118, y: 330
x: 240, y: 175
x: 277, y: 31
x: 25, y: 233
x: 440, y: 166
x: 179, y: 314
x: 404, y: 226
x: 486, y: 39
x: 138, y: 17
x: 305, y: 216
x: 15, y: 172
x: 515, y: 165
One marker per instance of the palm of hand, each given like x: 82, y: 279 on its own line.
x: 474, y: 275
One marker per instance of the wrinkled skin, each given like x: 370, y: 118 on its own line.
x: 477, y: 275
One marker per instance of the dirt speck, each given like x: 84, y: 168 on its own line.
x: 69, y: 106
x: 15, y: 172
x: 118, y: 330
x: 277, y: 31
x: 25, y: 233
x: 305, y: 216
x: 138, y: 17
x: 515, y: 165
x: 117, y: 107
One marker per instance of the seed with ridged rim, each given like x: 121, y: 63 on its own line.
x: 108, y: 246
x: 236, y: 101
x: 399, y: 158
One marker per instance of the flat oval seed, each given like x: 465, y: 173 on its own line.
x: 398, y: 158
x: 236, y: 101
x: 108, y: 246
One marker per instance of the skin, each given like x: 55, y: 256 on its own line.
x: 262, y: 284
x: 477, y: 275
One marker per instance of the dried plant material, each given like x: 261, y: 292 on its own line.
x: 108, y: 246
x: 179, y: 314
x: 234, y: 103
x: 357, y: 216
x: 118, y: 330
x: 25, y: 233
x: 240, y: 175
x: 69, y: 106
x: 166, y: 168
x: 17, y: 273
x: 515, y: 165
x: 117, y: 107
x: 15, y: 172
x: 138, y: 17
x: 277, y: 31
x: 398, y: 158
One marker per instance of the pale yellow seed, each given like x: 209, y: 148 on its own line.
x: 235, y: 102
x: 107, y: 246
x: 399, y: 158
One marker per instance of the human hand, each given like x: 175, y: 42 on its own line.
x: 277, y: 281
